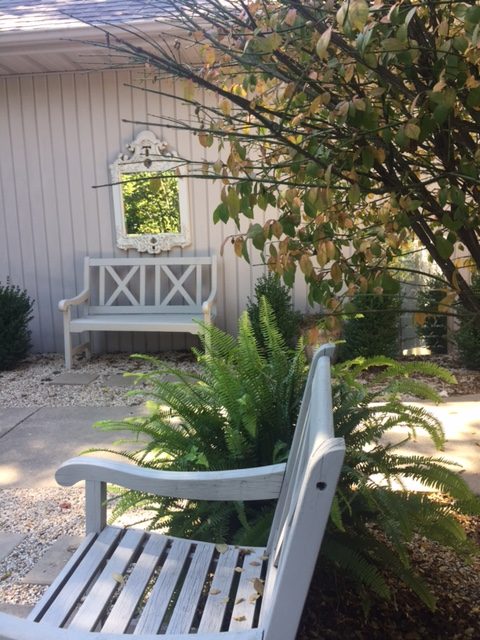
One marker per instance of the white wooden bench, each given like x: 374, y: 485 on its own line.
x: 131, y: 581
x: 141, y: 294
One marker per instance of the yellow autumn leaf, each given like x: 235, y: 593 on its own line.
x: 357, y: 13
x: 419, y: 318
x: 412, y: 131
x: 221, y: 547
x: 258, y: 585
x: 188, y: 90
x: 323, y: 42
x: 214, y: 592
x: 238, y: 247
x: 226, y: 107
x: 306, y: 265
x: 208, y: 55
x: 336, y: 272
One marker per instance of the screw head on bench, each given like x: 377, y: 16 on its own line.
x: 321, y: 486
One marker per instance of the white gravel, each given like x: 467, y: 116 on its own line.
x: 32, y: 383
x: 44, y: 515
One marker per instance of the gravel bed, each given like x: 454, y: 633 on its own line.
x: 44, y: 515
x: 32, y: 384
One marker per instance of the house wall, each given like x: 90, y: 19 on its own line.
x: 58, y: 135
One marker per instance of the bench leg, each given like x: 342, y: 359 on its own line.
x: 68, y: 349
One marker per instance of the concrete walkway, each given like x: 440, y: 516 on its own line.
x: 34, y: 442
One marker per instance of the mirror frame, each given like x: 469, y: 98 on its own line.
x: 148, y: 153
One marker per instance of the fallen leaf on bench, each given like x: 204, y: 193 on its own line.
x: 239, y: 600
x: 118, y: 578
x: 238, y: 569
x: 264, y: 557
x: 221, y: 548
x: 215, y: 592
x: 225, y: 600
x: 255, y: 564
x: 240, y: 618
x: 252, y: 598
x: 258, y: 585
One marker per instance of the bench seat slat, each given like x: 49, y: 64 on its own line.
x: 98, y: 597
x: 187, y: 603
x: 246, y: 595
x: 158, y: 601
x: 43, y: 604
x: 124, y: 608
x: 175, y: 322
x: 76, y: 585
x: 216, y: 604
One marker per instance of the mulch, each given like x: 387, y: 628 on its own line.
x: 335, y: 611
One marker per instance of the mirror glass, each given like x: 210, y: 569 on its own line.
x: 150, y: 199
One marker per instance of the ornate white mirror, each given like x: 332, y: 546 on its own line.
x: 150, y: 200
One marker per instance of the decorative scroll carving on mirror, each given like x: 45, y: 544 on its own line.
x: 150, y: 201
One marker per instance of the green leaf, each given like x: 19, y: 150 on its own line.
x: 220, y: 213
x: 440, y: 113
x: 233, y: 203
x: 289, y: 276
x: 472, y: 15
x: 473, y: 98
x: 354, y: 193
x: 444, y: 247
x: 257, y: 236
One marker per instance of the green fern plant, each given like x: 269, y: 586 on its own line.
x: 375, y: 515
x: 238, y: 412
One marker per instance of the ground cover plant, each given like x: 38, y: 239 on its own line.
x: 433, y: 328
x: 375, y: 329
x: 240, y: 411
x: 467, y: 336
x: 279, y: 297
x: 15, y: 314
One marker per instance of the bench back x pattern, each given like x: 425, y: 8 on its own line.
x: 150, y: 285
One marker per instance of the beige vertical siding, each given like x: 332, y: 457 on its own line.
x: 58, y: 135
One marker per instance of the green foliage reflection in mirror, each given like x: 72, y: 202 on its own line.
x: 151, y: 202
x: 150, y: 196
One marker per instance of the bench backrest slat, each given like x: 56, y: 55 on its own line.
x: 149, y: 285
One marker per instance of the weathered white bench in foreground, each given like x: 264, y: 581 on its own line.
x: 141, y: 294
x: 123, y: 581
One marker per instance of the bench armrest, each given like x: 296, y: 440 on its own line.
x: 208, y: 306
x: 261, y: 483
x: 64, y: 305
